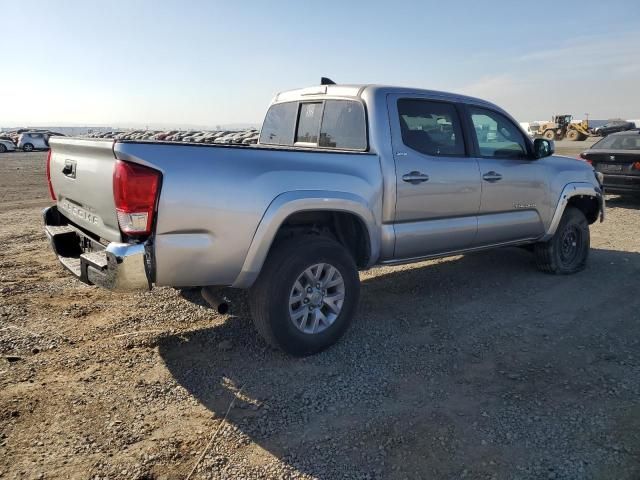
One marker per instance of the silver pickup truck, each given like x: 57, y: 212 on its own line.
x: 344, y: 177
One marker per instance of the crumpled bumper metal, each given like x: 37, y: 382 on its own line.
x: 120, y: 267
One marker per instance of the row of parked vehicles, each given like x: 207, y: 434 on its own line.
x: 39, y: 139
x: 26, y: 140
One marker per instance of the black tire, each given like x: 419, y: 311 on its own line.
x: 573, y: 135
x: 3, y: 148
x: 269, y: 297
x: 568, y: 250
x: 27, y: 147
x: 549, y: 135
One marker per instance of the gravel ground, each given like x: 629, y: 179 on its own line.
x: 475, y: 366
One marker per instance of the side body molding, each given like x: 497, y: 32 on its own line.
x: 289, y: 203
x: 569, y: 191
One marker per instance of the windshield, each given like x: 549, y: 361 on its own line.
x: 619, y: 142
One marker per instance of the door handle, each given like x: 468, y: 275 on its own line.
x: 415, y: 177
x: 491, y: 176
x: 69, y: 169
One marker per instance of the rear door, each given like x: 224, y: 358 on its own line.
x: 437, y: 181
x: 514, y: 186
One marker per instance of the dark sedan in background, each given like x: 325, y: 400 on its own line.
x: 618, y: 158
x: 614, y: 126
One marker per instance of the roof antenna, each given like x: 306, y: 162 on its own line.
x: 326, y: 81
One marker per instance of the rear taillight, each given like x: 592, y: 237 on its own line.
x: 584, y: 158
x: 135, y: 190
x: 48, y: 167
x: 636, y: 165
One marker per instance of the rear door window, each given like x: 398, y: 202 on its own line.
x: 432, y: 128
x: 309, y: 122
x: 343, y: 125
x: 279, y: 124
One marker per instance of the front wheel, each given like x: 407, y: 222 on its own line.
x: 549, y: 135
x: 573, y: 135
x: 306, y: 295
x: 568, y: 250
x: 27, y: 147
x: 3, y: 148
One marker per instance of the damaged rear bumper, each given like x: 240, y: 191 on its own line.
x: 120, y: 267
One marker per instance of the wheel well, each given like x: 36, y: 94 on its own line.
x: 347, y: 228
x: 588, y: 205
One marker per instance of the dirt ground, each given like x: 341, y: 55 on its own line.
x: 475, y: 366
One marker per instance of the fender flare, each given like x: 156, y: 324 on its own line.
x: 573, y: 190
x: 288, y: 203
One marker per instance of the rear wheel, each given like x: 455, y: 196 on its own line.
x: 568, y: 250
x: 27, y: 147
x: 306, y: 295
x: 3, y: 148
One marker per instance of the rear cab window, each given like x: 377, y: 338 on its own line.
x: 309, y: 120
x: 278, y: 125
x: 326, y: 124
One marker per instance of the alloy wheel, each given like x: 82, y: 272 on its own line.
x: 316, y: 298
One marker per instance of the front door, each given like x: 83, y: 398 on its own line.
x: 514, y: 185
x: 437, y: 178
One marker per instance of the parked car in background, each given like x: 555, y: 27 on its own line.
x: 343, y: 177
x: 617, y: 156
x: 6, y: 145
x: 29, y: 141
x: 613, y: 127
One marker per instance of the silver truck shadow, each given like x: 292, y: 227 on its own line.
x: 476, y: 363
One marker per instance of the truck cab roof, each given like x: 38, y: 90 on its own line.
x: 373, y: 90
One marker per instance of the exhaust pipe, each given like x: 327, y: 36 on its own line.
x: 220, y: 304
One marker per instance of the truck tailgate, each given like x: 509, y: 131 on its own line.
x: 82, y: 179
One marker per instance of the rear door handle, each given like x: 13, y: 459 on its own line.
x: 415, y: 177
x: 492, y: 176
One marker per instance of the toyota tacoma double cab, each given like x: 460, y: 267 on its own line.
x: 343, y: 178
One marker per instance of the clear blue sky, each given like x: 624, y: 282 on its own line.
x: 209, y: 62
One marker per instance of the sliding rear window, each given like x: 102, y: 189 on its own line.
x: 338, y: 124
x: 309, y: 123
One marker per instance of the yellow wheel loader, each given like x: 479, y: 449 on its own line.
x: 561, y: 127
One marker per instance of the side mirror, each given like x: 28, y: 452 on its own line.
x: 543, y: 148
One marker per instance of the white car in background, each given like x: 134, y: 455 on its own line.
x: 7, y: 146
x: 29, y: 141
